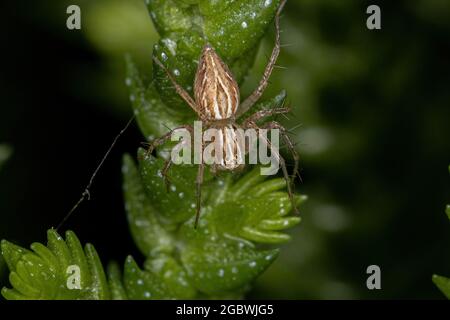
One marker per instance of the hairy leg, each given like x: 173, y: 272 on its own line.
x: 283, y: 166
x: 164, y: 172
x: 265, y: 113
x: 251, y: 100
x: 199, y: 182
x: 161, y: 140
x: 290, y: 145
x: 179, y: 89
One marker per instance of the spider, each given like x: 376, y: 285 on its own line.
x: 217, y: 103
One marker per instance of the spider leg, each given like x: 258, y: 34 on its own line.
x: 161, y: 140
x: 164, y: 172
x: 291, y: 146
x: 282, y: 163
x: 251, y: 100
x: 265, y: 113
x: 179, y: 89
x: 199, y: 182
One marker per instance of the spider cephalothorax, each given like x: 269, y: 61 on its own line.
x: 217, y: 104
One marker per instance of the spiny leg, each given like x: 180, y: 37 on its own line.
x: 282, y: 163
x: 199, y: 182
x: 288, y: 183
x: 164, y: 172
x: 265, y: 113
x: 168, y: 163
x: 251, y: 100
x: 290, y: 145
x: 179, y: 89
x: 161, y: 140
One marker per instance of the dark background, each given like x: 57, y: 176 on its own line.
x: 375, y: 113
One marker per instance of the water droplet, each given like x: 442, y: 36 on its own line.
x: 234, y: 270
x: 181, y: 195
x: 132, y: 97
x: 176, y: 72
x: 140, y: 282
x: 252, y: 264
x: 173, y: 188
x: 147, y: 294
x: 128, y: 81
x: 253, y: 15
x: 244, y: 25
x: 267, y: 3
x: 163, y: 56
x: 171, y: 45
x: 221, y: 272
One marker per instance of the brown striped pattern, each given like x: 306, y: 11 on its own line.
x: 216, y: 91
x: 233, y: 152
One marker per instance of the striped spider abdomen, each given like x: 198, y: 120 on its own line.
x: 232, y: 147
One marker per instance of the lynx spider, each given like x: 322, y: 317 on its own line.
x: 216, y: 103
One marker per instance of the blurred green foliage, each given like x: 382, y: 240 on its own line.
x: 5, y: 153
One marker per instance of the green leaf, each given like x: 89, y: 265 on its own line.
x: 173, y: 275
x: 44, y: 272
x: 115, y: 282
x: 216, y: 265
x: 176, y: 203
x: 231, y: 26
x: 161, y: 280
x: 147, y: 232
x: 443, y: 284
x: 152, y: 115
